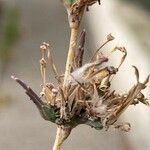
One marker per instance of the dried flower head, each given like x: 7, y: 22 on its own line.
x: 83, y: 94
x: 88, y: 98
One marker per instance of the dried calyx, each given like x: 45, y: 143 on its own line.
x: 88, y: 98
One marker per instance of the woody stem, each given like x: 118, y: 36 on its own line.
x: 71, y: 53
x: 61, y: 136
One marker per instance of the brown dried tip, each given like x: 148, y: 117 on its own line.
x: 136, y: 73
x: 110, y: 37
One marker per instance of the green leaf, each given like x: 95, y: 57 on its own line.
x: 70, y: 2
x: 49, y: 113
x: 10, y: 32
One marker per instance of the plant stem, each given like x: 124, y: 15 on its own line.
x: 62, y: 134
x: 71, y: 53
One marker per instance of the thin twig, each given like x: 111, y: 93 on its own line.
x: 109, y: 38
x: 53, y: 66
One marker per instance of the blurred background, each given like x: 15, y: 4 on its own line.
x: 24, y: 25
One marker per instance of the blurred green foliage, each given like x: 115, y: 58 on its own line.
x: 69, y: 1
x: 10, y: 33
x: 144, y: 3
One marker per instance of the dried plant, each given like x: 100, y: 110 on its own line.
x: 83, y: 94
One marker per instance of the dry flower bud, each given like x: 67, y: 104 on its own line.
x: 110, y: 37
x: 43, y: 47
x: 46, y: 44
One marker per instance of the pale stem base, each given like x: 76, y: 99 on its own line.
x: 61, y: 136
